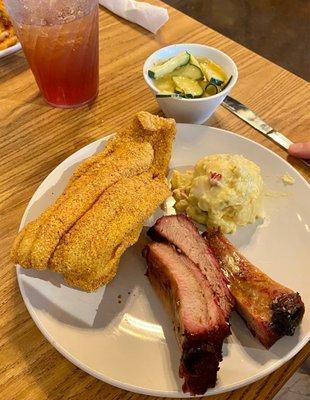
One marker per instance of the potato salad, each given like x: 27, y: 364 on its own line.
x: 222, y: 191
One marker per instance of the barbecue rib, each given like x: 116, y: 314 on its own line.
x: 190, y: 281
x: 270, y: 309
x: 181, y: 232
x: 199, y: 323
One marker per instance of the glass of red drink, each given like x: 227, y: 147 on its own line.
x: 60, y: 41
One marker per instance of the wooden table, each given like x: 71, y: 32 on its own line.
x: 35, y: 138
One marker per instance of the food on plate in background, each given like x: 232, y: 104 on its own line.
x: 7, y: 34
x: 189, y: 280
x: 269, y: 309
x: 187, y: 76
x: 103, y: 208
x: 223, y: 190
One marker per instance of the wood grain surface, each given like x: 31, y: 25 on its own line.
x: 34, y: 138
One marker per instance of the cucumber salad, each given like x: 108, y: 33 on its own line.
x: 187, y: 76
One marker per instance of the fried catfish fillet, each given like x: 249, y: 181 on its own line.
x: 88, y: 254
x: 42, y: 237
x: 128, y: 176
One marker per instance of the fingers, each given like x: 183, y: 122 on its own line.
x: 301, y: 150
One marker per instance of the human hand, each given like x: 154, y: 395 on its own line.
x: 300, y: 150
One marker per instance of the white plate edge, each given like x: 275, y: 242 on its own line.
x: 10, y: 50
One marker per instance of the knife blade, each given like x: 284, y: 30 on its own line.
x: 252, y: 119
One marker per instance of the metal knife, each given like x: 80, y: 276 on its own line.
x: 251, y: 118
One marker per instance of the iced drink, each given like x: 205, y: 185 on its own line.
x: 61, y: 47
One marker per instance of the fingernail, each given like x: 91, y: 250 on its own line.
x: 296, y: 147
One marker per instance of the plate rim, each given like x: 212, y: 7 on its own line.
x: 10, y: 50
x: 129, y: 387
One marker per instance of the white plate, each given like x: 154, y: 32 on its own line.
x: 10, y: 50
x: 132, y: 345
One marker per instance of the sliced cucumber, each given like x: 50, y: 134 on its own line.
x: 167, y: 67
x: 215, y: 81
x: 211, y: 90
x: 203, y: 84
x: 188, y: 71
x: 213, y: 72
x: 205, y: 71
x: 226, y: 83
x: 187, y: 87
x: 193, y: 60
x: 165, y: 84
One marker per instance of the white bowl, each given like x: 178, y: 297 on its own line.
x: 194, y: 111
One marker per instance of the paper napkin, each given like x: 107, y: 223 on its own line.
x: 150, y: 17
